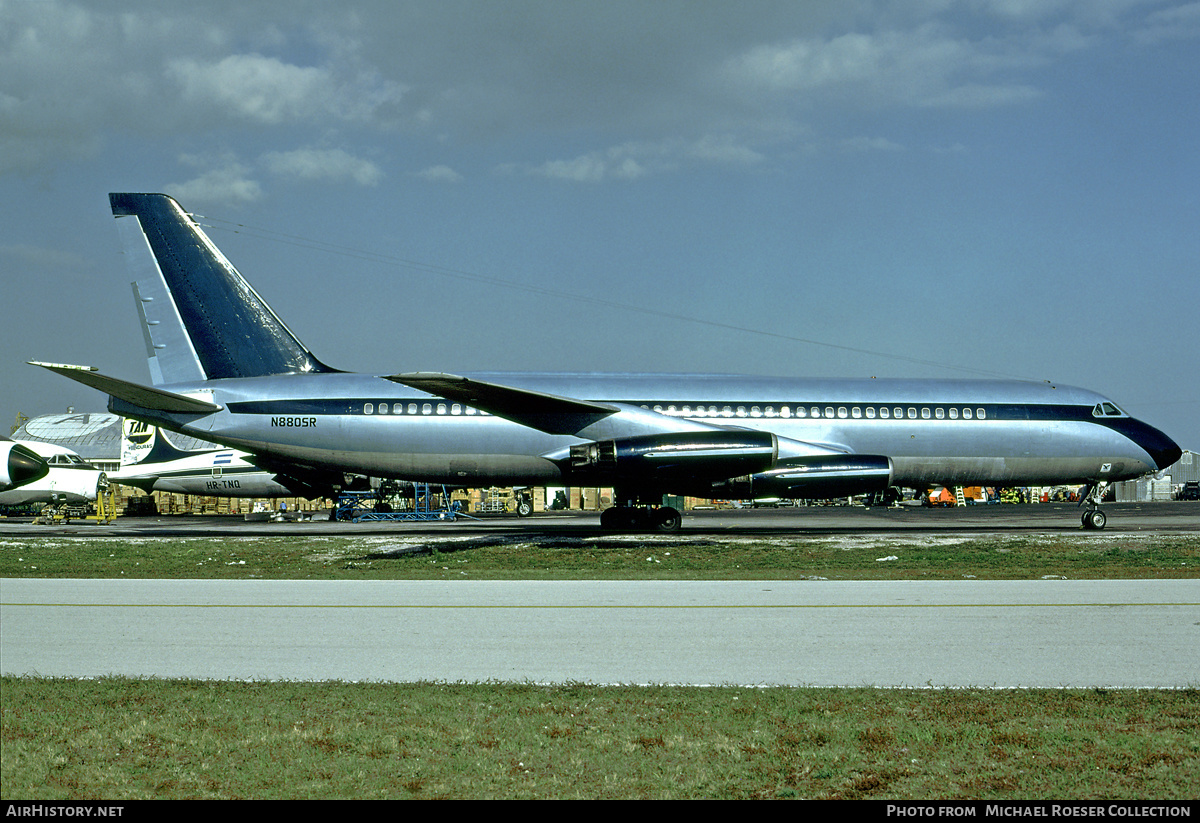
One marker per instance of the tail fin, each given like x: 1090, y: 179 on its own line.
x: 200, y: 318
x: 146, y: 443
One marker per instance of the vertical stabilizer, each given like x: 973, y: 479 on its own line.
x: 142, y: 443
x: 138, y: 439
x: 200, y: 318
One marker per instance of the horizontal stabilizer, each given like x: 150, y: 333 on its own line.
x: 146, y: 397
x: 545, y: 412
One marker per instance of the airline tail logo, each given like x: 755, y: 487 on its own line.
x: 136, y: 441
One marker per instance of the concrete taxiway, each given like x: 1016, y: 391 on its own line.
x: 905, y: 634
x: 970, y: 633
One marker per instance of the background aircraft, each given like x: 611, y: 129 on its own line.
x: 68, y: 478
x: 225, y: 368
x: 19, y: 465
x: 151, y: 462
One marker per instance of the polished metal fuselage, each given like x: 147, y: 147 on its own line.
x: 936, y: 432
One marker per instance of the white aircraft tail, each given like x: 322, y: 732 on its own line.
x: 143, y: 443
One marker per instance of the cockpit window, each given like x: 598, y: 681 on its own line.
x: 1107, y: 409
x: 72, y: 460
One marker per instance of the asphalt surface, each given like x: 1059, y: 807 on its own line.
x: 1167, y: 517
x: 1043, y: 633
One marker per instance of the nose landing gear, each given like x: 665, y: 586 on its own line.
x: 1093, y: 517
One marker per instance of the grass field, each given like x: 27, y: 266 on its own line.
x: 127, y: 738
x: 443, y: 555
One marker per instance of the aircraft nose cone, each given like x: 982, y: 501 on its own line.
x: 25, y: 466
x: 1162, y: 449
x: 1168, y: 456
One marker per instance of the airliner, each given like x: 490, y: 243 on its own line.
x: 68, y: 478
x: 151, y: 462
x: 225, y: 368
x: 19, y: 465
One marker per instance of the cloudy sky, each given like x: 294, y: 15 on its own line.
x: 943, y: 188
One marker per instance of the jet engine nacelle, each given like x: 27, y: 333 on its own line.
x: 675, y: 459
x: 812, y: 478
x: 19, y: 465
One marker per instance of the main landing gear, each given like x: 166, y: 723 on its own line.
x: 641, y: 518
x: 1092, y: 517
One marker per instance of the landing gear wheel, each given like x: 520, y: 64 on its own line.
x: 640, y: 518
x: 610, y: 519
x: 1092, y: 517
x: 621, y: 518
x: 524, y: 507
x: 667, y: 519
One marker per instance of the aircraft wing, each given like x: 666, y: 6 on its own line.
x: 545, y: 412
x: 146, y: 397
x: 555, y: 414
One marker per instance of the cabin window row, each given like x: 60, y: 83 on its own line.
x: 786, y: 411
x: 832, y: 412
x: 421, y: 409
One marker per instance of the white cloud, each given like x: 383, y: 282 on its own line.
x: 865, y: 144
x: 1178, y: 23
x: 269, y: 91
x: 650, y: 80
x: 808, y: 64
x: 75, y: 78
x: 255, y: 87
x: 926, y: 66
x: 636, y: 159
x: 440, y: 174
x: 977, y: 95
x: 229, y: 184
x: 1024, y: 10
x: 594, y: 167
x: 722, y: 149
x: 227, y: 180
x: 323, y: 164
